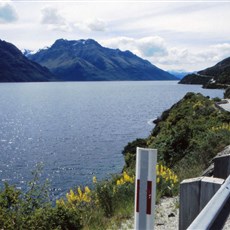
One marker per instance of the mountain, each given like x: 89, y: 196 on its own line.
x: 220, y: 73
x: 15, y: 67
x: 217, y: 76
x: 195, y: 79
x: 179, y: 73
x: 87, y: 60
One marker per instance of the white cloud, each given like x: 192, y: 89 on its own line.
x: 220, y: 51
x: 194, y: 60
x: 54, y: 20
x: 52, y: 16
x: 96, y: 25
x: 123, y: 43
x: 151, y: 46
x: 7, y: 13
x: 145, y: 47
x: 161, y: 54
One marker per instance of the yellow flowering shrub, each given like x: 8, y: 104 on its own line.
x: 224, y: 126
x: 110, y: 195
x: 198, y: 105
x: 94, y: 180
x: 77, y: 198
x: 167, y: 181
x: 60, y: 202
x: 125, y: 178
x: 164, y: 173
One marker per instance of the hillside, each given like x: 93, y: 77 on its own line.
x: 187, y: 136
x: 87, y: 60
x: 15, y: 67
x: 217, y: 76
x: 220, y: 74
x: 195, y: 79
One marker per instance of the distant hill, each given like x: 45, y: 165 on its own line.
x: 179, y: 74
x: 87, y: 60
x: 217, y: 76
x: 220, y: 73
x: 15, y: 67
x: 195, y: 79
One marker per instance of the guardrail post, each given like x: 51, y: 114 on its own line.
x: 216, y: 212
x: 209, y: 186
x: 194, y: 195
x: 145, y: 188
x: 221, y: 166
x: 189, y: 201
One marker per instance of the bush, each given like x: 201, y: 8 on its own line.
x: 129, y: 153
x: 183, y: 135
x: 33, y: 209
x: 167, y: 182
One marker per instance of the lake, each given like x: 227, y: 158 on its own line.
x: 77, y: 129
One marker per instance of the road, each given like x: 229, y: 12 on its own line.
x: 226, y: 106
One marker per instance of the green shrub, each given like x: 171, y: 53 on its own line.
x: 33, y: 209
x: 183, y: 135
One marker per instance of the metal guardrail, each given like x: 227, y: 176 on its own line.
x: 215, y: 213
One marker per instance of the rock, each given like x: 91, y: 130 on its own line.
x: 171, y: 215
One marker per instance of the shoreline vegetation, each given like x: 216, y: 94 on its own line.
x: 187, y: 136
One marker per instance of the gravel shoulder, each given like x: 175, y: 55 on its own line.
x: 166, y: 215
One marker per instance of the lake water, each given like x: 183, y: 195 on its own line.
x: 77, y: 129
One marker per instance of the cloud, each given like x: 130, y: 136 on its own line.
x: 7, y: 13
x: 220, y: 51
x: 54, y: 20
x: 152, y: 46
x: 96, y: 25
x: 51, y: 16
x: 193, y: 60
x: 145, y: 47
x: 161, y: 54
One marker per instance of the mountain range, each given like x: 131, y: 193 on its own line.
x: 87, y: 60
x: 217, y: 76
x: 15, y: 67
x: 179, y: 73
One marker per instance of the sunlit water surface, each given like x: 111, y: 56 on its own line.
x: 77, y: 129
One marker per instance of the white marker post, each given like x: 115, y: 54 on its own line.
x: 145, y: 188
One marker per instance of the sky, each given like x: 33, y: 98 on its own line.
x: 173, y: 35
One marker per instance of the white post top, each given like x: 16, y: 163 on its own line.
x: 146, y: 149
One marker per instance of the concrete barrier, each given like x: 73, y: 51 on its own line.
x: 216, y: 212
x: 205, y: 201
x: 194, y: 195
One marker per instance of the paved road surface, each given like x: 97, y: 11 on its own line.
x: 226, y: 106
